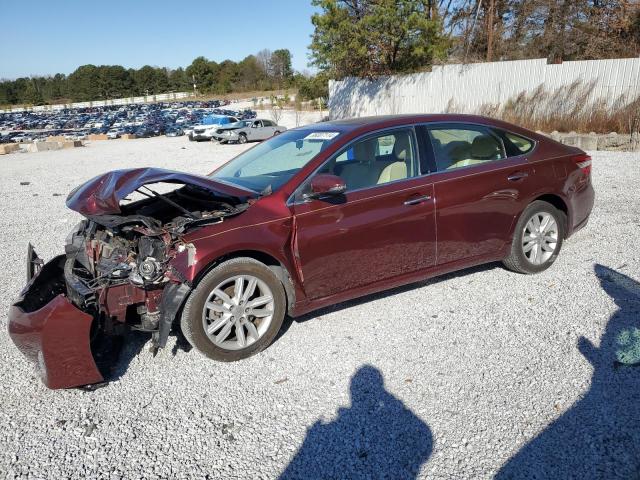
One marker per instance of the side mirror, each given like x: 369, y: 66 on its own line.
x: 324, y: 185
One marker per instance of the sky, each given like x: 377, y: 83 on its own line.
x: 48, y: 37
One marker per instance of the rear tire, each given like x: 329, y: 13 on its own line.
x: 537, y: 238
x: 203, y: 318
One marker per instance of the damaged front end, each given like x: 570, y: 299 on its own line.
x: 117, y: 273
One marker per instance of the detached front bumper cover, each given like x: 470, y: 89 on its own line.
x: 50, y: 331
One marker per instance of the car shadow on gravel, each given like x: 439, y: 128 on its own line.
x: 376, y: 437
x: 599, y: 436
x: 387, y: 293
x: 131, y: 346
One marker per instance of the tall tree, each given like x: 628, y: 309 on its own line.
x: 32, y: 93
x: 558, y: 30
x: 376, y: 37
x: 281, y: 66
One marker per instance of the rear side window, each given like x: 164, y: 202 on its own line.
x: 464, y: 146
x: 522, y: 145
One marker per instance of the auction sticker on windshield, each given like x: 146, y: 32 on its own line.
x: 321, y: 135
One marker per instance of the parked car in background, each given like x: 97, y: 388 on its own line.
x: 174, y: 132
x: 247, y: 131
x: 144, y: 132
x: 78, y: 135
x: 156, y: 117
x: 22, y: 138
x: 114, y: 133
x: 309, y: 218
x: 207, y: 131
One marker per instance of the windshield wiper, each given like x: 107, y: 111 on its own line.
x: 168, y: 201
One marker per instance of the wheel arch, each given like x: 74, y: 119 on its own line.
x: 558, y: 202
x: 275, y: 265
x: 552, y: 199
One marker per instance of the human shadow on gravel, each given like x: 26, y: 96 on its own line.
x: 377, y: 437
x: 599, y: 436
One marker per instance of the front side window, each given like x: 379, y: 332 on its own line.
x: 376, y: 160
x: 464, y: 146
x: 270, y: 164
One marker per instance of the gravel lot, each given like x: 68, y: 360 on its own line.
x: 456, y: 377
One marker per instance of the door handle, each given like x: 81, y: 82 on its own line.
x: 514, y: 177
x: 417, y: 200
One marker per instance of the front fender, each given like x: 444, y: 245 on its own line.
x: 270, y: 239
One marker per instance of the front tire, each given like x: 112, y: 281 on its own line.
x: 235, y: 311
x: 242, y: 138
x: 537, y: 238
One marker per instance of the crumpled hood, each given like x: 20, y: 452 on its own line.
x: 102, y: 194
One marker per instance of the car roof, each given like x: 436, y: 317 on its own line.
x: 364, y: 124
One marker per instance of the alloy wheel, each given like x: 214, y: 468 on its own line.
x: 238, y: 312
x: 540, y: 238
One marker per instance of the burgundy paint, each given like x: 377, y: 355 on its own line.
x: 333, y: 250
x: 115, y: 300
x: 56, y: 339
x: 324, y: 183
x: 102, y: 194
x: 474, y: 211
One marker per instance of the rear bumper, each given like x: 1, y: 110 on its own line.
x: 51, y: 332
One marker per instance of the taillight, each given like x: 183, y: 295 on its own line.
x: 584, y: 163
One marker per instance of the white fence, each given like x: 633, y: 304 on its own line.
x: 467, y: 87
x: 164, y: 97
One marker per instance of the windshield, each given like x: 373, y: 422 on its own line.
x: 270, y: 164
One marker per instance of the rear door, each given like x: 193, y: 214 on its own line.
x: 268, y: 128
x: 481, y: 185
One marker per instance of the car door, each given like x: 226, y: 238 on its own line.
x: 265, y: 130
x: 261, y: 131
x: 269, y: 128
x: 253, y: 132
x: 382, y: 227
x: 480, y: 185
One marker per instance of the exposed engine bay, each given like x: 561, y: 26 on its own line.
x: 118, y: 267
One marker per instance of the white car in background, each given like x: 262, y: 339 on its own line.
x: 207, y: 132
x: 22, y: 138
x: 247, y: 131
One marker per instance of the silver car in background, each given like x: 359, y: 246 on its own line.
x: 248, y: 131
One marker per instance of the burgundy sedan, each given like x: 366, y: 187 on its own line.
x: 312, y: 217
